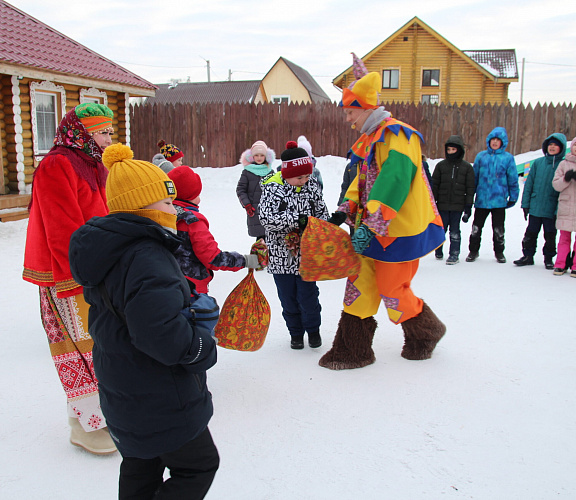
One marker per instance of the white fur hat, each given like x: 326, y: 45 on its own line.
x: 305, y: 145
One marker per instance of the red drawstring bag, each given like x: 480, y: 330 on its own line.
x: 326, y: 252
x: 244, y: 317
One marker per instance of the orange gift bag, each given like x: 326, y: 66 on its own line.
x: 244, y: 317
x: 326, y: 252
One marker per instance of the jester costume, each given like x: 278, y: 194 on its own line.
x: 391, y: 207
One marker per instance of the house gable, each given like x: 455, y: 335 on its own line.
x: 429, y: 68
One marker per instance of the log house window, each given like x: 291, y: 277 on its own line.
x: 390, y: 78
x: 430, y: 99
x: 48, y: 108
x: 431, y: 78
x: 93, y: 95
x: 279, y: 99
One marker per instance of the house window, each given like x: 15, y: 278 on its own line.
x: 390, y: 78
x: 279, y: 99
x: 430, y: 99
x: 93, y: 95
x: 431, y: 78
x: 48, y: 107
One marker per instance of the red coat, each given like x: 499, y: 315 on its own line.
x: 62, y: 201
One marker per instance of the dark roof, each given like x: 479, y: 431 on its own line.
x: 500, y: 63
x: 242, y: 91
x: 29, y: 42
x: 316, y: 92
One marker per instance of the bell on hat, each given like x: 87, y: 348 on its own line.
x: 295, y: 161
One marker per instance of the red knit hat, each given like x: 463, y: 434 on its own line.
x: 295, y: 161
x: 188, y: 183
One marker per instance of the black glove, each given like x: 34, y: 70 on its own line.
x: 510, y: 203
x: 467, y: 213
x: 337, y: 218
x: 302, y: 221
x: 570, y: 174
x: 526, y: 212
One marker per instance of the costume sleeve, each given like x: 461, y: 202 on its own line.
x: 56, y: 193
x: 154, y: 297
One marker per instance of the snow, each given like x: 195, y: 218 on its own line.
x: 490, y: 416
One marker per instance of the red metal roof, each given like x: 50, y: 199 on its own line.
x: 29, y: 42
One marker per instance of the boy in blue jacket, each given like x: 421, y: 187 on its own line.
x: 496, y: 190
x: 150, y: 362
x: 540, y: 202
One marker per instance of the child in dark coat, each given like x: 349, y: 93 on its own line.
x: 199, y: 255
x: 257, y: 162
x: 453, y: 188
x: 150, y: 362
x: 288, y: 198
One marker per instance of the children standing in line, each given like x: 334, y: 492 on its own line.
x: 453, y: 188
x: 150, y: 362
x: 540, y: 202
x: 288, y: 198
x: 171, y: 153
x: 496, y: 190
x: 199, y: 255
x: 257, y: 163
x: 565, y: 183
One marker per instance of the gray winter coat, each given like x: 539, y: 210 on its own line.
x: 566, y: 216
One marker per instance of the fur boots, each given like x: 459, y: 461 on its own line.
x: 421, y: 334
x: 352, y: 347
x: 98, y: 442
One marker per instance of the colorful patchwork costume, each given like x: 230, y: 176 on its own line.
x: 391, y: 208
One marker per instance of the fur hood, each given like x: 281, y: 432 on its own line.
x: 247, y: 158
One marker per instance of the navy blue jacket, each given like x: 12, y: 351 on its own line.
x: 151, y: 367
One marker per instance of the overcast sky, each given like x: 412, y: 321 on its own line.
x: 162, y: 40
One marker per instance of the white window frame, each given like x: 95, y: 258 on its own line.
x: 390, y: 69
x: 279, y: 99
x: 93, y: 95
x: 438, y: 96
x: 60, y: 107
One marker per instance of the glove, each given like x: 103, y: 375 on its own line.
x: 250, y: 210
x: 252, y: 261
x: 361, y: 238
x: 292, y: 241
x: 337, y: 218
x: 569, y: 175
x: 467, y: 213
x: 302, y: 221
x: 526, y: 211
x: 510, y: 203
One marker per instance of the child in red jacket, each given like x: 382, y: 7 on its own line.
x: 199, y: 255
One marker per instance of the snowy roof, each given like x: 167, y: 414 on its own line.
x: 29, y: 42
x: 242, y: 91
x: 500, y: 63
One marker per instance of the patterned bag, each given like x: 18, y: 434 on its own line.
x: 327, y: 252
x: 244, y: 317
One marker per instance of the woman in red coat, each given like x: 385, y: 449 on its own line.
x: 68, y: 190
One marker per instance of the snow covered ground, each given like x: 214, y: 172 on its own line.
x: 490, y: 416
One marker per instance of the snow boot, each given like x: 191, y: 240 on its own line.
x: 97, y: 442
x: 453, y: 259
x: 526, y: 260
x: 314, y: 339
x: 558, y: 271
x: 297, y: 342
x: 548, y: 264
x: 472, y: 256
x: 421, y: 334
x: 352, y: 346
x: 500, y: 258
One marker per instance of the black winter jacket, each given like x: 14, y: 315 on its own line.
x: 151, y: 366
x: 453, y: 183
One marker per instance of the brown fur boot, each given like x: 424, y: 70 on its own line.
x: 352, y: 347
x: 421, y: 334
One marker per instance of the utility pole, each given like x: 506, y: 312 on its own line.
x: 522, y: 80
x: 207, y: 67
x: 229, y: 75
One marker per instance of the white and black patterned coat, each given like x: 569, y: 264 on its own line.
x: 280, y: 206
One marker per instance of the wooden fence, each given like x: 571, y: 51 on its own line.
x: 215, y: 134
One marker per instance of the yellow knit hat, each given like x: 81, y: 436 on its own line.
x: 133, y: 184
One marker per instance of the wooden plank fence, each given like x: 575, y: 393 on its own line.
x: 215, y: 134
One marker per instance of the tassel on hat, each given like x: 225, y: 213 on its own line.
x: 295, y: 161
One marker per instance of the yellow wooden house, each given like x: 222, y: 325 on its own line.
x: 44, y: 74
x: 419, y: 65
x: 287, y: 82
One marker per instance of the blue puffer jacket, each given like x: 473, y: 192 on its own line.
x: 539, y: 196
x: 151, y: 366
x: 496, y: 175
